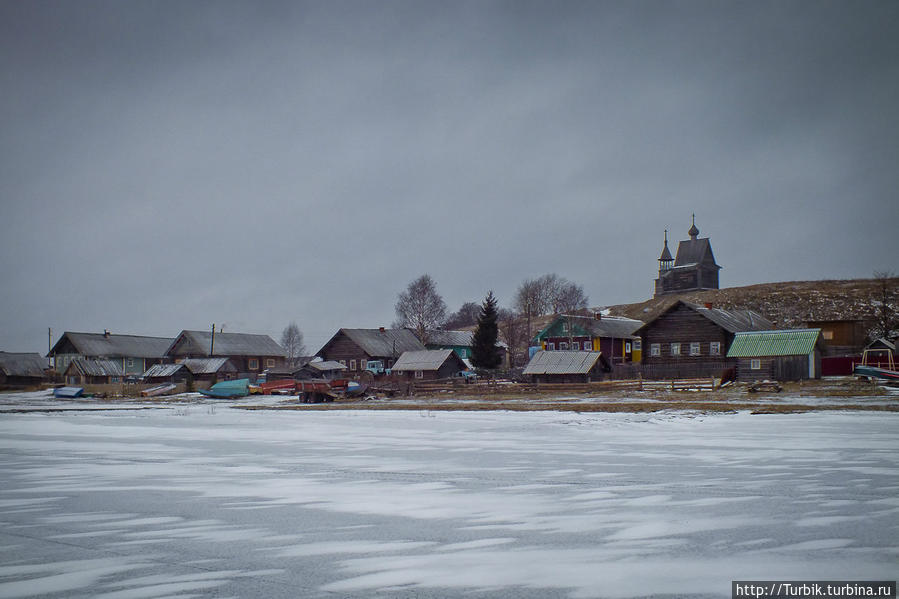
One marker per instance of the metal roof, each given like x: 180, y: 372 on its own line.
x: 226, y: 344
x: 326, y: 365
x: 796, y: 342
x: 383, y: 343
x: 562, y: 362
x: 22, y: 364
x: 103, y: 345
x: 204, y: 365
x: 97, y: 367
x: 608, y: 327
x: 429, y: 359
x: 162, y: 370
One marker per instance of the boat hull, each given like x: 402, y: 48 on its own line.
x: 877, y: 373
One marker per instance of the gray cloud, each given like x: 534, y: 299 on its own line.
x: 166, y: 165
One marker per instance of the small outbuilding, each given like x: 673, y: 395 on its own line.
x: 429, y: 364
x: 93, y: 372
x: 788, y: 355
x: 167, y: 373
x: 567, y: 367
x: 321, y: 369
x: 21, y: 369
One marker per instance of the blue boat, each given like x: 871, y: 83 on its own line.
x: 228, y: 389
x: 68, y: 392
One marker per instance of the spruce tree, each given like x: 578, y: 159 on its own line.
x: 484, y: 353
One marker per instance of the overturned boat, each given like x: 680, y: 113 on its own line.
x: 228, y: 389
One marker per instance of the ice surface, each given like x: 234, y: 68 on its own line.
x: 230, y: 503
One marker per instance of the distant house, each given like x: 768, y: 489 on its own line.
x: 567, y: 366
x: 688, y: 340
x: 83, y: 371
x: 133, y: 353
x: 250, y: 354
x: 325, y: 369
x: 694, y: 268
x: 429, y: 364
x: 613, y: 336
x: 461, y: 342
x: 788, y: 355
x: 355, y: 347
x: 21, y: 369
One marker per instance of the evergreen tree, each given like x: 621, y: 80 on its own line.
x: 484, y: 353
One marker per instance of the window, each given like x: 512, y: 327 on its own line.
x: 419, y: 374
x: 253, y: 364
x: 575, y: 346
x: 352, y: 364
x: 342, y: 362
x: 563, y: 345
x: 655, y: 349
x: 694, y: 349
x: 551, y: 346
x: 828, y: 335
x: 627, y: 348
x: 638, y: 344
x: 564, y: 327
x: 675, y: 349
x: 463, y: 353
x: 755, y: 364
x: 269, y: 362
x: 130, y: 362
x: 715, y: 348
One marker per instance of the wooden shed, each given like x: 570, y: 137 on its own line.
x: 21, y: 369
x: 429, y: 364
x: 93, y: 372
x: 788, y: 355
x: 567, y: 367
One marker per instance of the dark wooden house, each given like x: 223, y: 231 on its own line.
x: 693, y: 269
x: 566, y: 367
x: 841, y: 337
x: 787, y: 355
x: 429, y: 364
x: 355, y: 347
x: 250, y: 354
x: 19, y: 370
x: 688, y: 340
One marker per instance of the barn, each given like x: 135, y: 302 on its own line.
x: 565, y: 366
x: 788, y: 355
x: 429, y: 364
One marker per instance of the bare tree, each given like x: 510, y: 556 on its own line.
x: 420, y: 307
x: 292, y: 342
x: 512, y: 331
x: 466, y: 316
x: 886, y: 319
x: 568, y: 297
x: 548, y: 294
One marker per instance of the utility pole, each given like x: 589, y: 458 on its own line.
x: 49, y: 345
x: 212, y: 341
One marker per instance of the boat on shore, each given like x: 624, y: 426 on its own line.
x: 159, y: 390
x: 68, y: 392
x: 868, y: 370
x: 228, y: 389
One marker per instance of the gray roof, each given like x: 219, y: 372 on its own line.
x: 22, y: 364
x: 609, y: 327
x: 562, y: 362
x: 204, y: 365
x: 326, y: 365
x: 102, y: 345
x: 97, y: 367
x: 386, y: 343
x: 735, y: 321
x: 226, y: 344
x: 694, y: 251
x: 461, y: 338
x: 162, y: 370
x: 429, y: 359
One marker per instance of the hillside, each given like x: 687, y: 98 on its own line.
x: 787, y: 305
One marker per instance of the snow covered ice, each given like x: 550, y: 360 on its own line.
x: 202, y: 500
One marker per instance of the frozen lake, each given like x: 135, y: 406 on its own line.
x: 202, y: 500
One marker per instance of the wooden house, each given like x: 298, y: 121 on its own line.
x: 461, y: 342
x: 250, y: 354
x: 321, y: 369
x: 134, y: 354
x: 566, y: 366
x: 687, y: 340
x: 82, y: 371
x: 693, y: 269
x: 355, y: 347
x: 787, y: 355
x: 21, y: 369
x: 429, y: 364
x: 841, y: 337
x: 613, y: 336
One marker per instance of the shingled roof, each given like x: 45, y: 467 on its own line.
x: 381, y: 342
x: 562, y: 362
x: 22, y: 364
x: 429, y: 359
x: 109, y: 345
x: 226, y: 344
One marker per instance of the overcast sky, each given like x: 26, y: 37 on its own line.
x: 169, y: 165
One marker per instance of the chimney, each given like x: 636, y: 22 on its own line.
x: 709, y: 305
x: 381, y: 330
